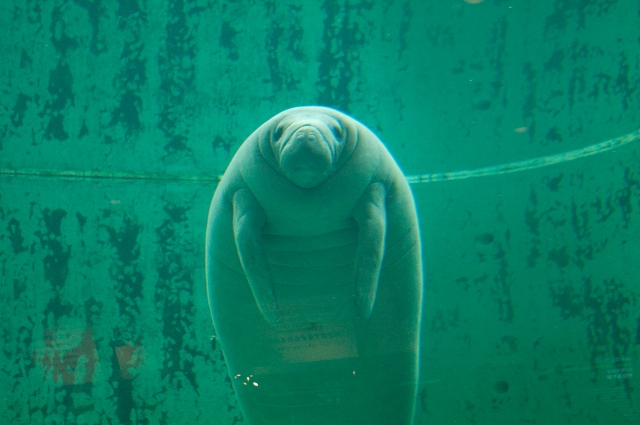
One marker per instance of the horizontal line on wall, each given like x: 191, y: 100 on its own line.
x: 108, y: 175
x: 494, y: 170
x: 529, y: 164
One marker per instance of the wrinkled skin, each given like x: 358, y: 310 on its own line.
x: 314, y: 274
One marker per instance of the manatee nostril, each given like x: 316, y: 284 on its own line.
x: 307, y: 134
x: 306, y: 157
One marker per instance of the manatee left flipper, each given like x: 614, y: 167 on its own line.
x: 371, y: 215
x: 248, y: 220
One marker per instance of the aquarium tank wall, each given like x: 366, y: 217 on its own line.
x: 515, y: 122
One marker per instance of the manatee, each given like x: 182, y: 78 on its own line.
x: 314, y: 274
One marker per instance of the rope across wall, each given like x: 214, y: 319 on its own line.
x: 512, y: 167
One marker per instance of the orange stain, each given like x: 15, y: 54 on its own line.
x: 129, y: 356
x: 65, y: 351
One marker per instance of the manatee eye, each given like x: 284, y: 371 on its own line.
x: 277, y: 133
x: 338, y: 131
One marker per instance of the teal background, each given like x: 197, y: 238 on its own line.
x: 532, y: 288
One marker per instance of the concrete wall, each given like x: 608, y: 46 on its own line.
x: 533, y: 281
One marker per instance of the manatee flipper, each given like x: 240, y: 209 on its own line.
x: 248, y: 220
x: 371, y: 216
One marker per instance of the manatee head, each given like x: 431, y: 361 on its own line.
x: 307, y: 147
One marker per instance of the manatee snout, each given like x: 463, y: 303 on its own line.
x: 306, y: 158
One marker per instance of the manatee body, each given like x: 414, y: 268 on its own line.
x: 314, y: 274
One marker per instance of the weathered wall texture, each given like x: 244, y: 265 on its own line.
x: 532, y: 308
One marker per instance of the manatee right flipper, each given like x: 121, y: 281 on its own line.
x: 248, y: 220
x: 371, y: 215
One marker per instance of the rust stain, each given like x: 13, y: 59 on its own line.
x: 65, y: 353
x: 129, y: 356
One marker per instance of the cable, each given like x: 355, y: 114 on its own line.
x: 529, y: 164
x: 494, y: 170
x: 111, y: 175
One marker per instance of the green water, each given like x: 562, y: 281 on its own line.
x: 516, y: 123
